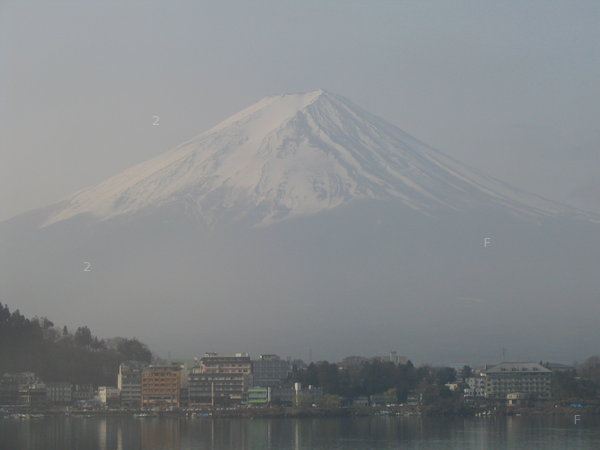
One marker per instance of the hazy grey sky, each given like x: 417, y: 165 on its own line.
x: 509, y: 87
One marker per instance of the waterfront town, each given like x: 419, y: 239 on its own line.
x: 49, y: 369
x: 238, y: 381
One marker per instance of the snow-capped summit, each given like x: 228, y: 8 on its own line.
x: 292, y: 155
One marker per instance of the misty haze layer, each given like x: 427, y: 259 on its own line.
x: 304, y: 222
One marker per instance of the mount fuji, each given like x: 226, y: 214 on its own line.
x: 294, y: 155
x: 304, y: 221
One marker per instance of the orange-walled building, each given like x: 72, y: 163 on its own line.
x: 161, y: 386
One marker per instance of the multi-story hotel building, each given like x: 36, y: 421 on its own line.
x: 531, y: 379
x: 129, y: 383
x: 219, y: 379
x: 59, y: 392
x: 161, y: 386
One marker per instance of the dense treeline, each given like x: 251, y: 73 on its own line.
x: 360, y: 378
x: 55, y: 354
x: 584, y: 384
x: 357, y: 376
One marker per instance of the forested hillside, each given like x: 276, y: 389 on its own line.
x: 56, y: 354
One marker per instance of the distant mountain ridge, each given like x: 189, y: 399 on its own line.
x: 294, y: 155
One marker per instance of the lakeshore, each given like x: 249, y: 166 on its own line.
x: 316, y: 412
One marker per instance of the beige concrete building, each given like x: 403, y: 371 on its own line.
x: 219, y: 379
x: 528, y: 378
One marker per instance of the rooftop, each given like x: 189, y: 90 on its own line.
x: 518, y: 367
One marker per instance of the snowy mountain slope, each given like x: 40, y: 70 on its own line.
x: 294, y: 155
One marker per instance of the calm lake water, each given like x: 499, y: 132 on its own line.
x: 124, y: 433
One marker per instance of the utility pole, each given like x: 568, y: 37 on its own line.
x: 212, y: 393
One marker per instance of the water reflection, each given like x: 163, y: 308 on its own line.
x: 54, y: 433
